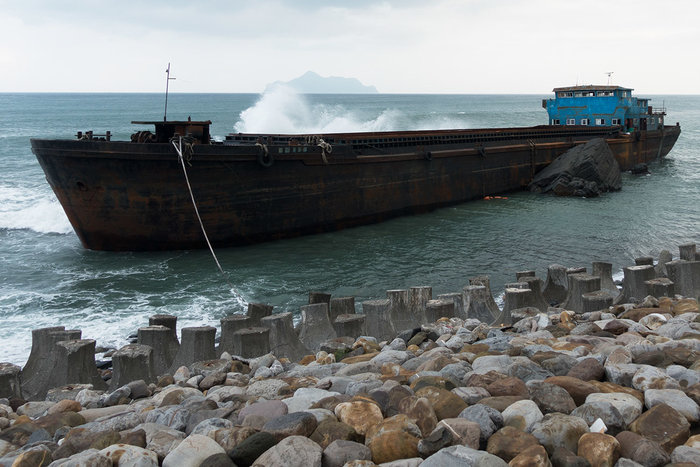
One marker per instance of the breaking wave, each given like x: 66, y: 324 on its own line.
x: 20, y: 209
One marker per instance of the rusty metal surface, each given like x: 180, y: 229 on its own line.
x: 133, y: 196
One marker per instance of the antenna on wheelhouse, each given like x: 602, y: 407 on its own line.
x: 609, y: 73
x: 167, y: 83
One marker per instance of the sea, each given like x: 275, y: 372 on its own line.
x: 48, y: 279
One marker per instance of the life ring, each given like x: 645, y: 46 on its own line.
x: 264, y: 157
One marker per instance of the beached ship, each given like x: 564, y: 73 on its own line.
x: 137, y: 195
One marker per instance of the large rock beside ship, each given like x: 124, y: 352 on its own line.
x: 585, y: 170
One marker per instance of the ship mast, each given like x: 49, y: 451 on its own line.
x: 167, y: 83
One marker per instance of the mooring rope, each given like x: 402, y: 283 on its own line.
x: 178, y: 149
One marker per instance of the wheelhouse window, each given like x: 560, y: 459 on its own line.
x: 616, y: 121
x: 555, y: 121
x: 605, y: 93
x: 566, y: 94
x: 600, y: 121
x: 585, y: 121
x: 571, y: 121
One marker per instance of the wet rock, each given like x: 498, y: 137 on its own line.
x: 522, y: 415
x: 641, y: 450
x: 330, y: 431
x: 557, y: 429
x: 341, y: 451
x: 266, y: 409
x: 550, y: 398
x: 245, y: 453
x: 420, y: 410
x: 577, y: 389
x: 293, y: 424
x: 599, y: 449
x: 489, y: 420
x: 294, y: 450
x: 663, y: 424
x: 606, y: 411
x: 508, y: 442
x: 674, y: 398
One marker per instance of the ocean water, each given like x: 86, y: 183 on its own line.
x: 48, y: 279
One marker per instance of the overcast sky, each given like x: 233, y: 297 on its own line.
x: 399, y: 46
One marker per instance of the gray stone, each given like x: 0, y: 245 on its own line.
x: 607, y: 412
x: 292, y: 424
x: 686, y: 454
x: 463, y: 456
x: 87, y: 458
x: 674, y: 398
x: 522, y: 414
x: 557, y: 429
x: 550, y: 398
x: 629, y: 406
x: 192, y: 452
x: 304, y: 398
x: 490, y: 420
x: 294, y: 450
x: 341, y: 451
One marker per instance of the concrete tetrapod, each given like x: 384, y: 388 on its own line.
x: 315, y: 327
x: 75, y: 364
x: 555, y: 286
x: 604, y: 271
x: 229, y: 325
x: 252, y: 342
x: 579, y: 284
x: 257, y: 311
x: 688, y: 251
x: 284, y: 341
x: 419, y: 296
x: 132, y: 363
x: 476, y: 303
x: 320, y: 297
x: 535, y: 284
x: 596, y: 301
x: 10, y: 387
x: 341, y: 306
x: 352, y: 325
x: 439, y: 308
x: 644, y: 261
x: 197, y: 345
x: 378, y: 319
x: 400, y: 310
x: 458, y: 300
x: 490, y: 302
x: 164, y: 346
x: 169, y: 321
x: 660, y: 287
x: 43, y: 360
x: 633, y: 284
x: 686, y: 277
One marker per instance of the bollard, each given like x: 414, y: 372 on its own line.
x: 164, y: 347
x: 554, y: 291
x: 252, y: 342
x: 490, y: 302
x: 75, y: 364
x: 36, y: 375
x: 197, y: 345
x: 351, y: 324
x: 604, y: 271
x: 418, y: 296
x: 257, y: 311
x: 341, y: 306
x: 535, y: 285
x: 686, y: 277
x: 579, y: 284
x: 660, y: 287
x: 400, y: 310
x: 284, y: 341
x: 660, y: 268
x: 319, y: 297
x: 644, y: 261
x: 596, y: 301
x: 378, y: 319
x: 169, y: 321
x: 132, y: 363
x: 687, y: 251
x: 633, y: 284
x: 439, y: 308
x: 476, y: 299
x: 315, y: 327
x: 458, y: 301
x: 10, y: 387
x: 522, y: 274
x: 229, y: 325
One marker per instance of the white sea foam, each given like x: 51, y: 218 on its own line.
x: 283, y: 110
x: 22, y: 209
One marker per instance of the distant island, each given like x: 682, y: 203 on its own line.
x: 313, y: 83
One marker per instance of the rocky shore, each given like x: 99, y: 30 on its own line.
x: 571, y: 371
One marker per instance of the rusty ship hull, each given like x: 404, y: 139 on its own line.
x: 133, y: 196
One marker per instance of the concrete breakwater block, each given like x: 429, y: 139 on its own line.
x: 439, y: 308
x: 163, y: 343
x: 490, y: 302
x: 229, y: 326
x: 688, y: 252
x: 352, y: 325
x: 257, y: 311
x: 555, y: 286
x: 633, y: 284
x: 252, y: 342
x: 476, y: 303
x: 320, y: 297
x: 458, y: 302
x: 400, y: 309
x: 341, y: 306
x: 522, y: 274
x: 197, y: 345
x: 596, y: 301
x: 132, y: 362
x: 517, y: 297
x: 686, y: 277
x: 378, y: 319
x: 535, y: 285
x: 284, y: 341
x: 604, y: 271
x: 644, y: 261
x: 315, y: 327
x: 42, y: 360
x: 419, y: 296
x: 75, y: 364
x: 10, y: 386
x: 660, y: 287
x: 169, y: 321
x: 579, y: 284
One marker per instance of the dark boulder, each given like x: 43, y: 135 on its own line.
x: 584, y: 170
